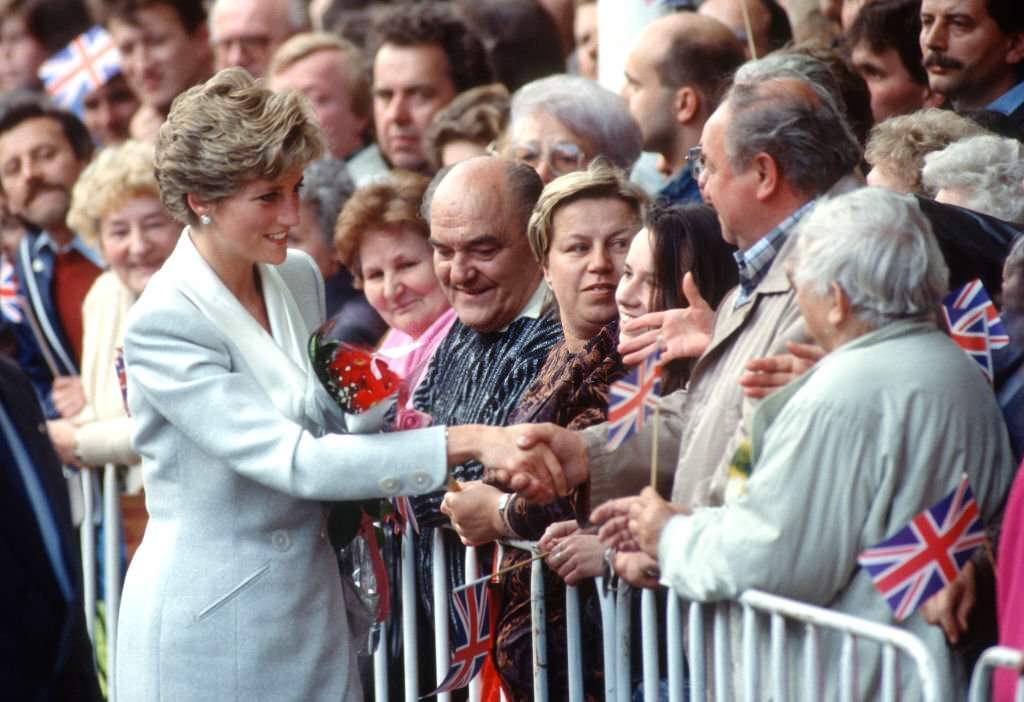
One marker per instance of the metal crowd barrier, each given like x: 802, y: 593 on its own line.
x: 992, y: 658
x: 897, y: 645
x: 111, y: 518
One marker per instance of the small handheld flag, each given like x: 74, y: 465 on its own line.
x: 974, y: 324
x: 632, y: 400
x: 10, y: 306
x: 472, y: 636
x: 85, y: 64
x: 926, y: 554
x: 406, y: 515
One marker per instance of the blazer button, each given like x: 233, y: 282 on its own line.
x: 390, y: 486
x: 282, y: 542
x: 421, y: 480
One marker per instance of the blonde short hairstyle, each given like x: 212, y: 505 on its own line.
x: 600, y: 180
x: 899, y: 144
x: 226, y: 132
x: 389, y: 205
x: 115, y: 175
x: 303, y: 45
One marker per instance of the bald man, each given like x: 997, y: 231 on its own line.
x: 246, y: 33
x: 768, y: 22
x: 675, y: 74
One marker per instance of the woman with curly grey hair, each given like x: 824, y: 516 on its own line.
x: 234, y: 593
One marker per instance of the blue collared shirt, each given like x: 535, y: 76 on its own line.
x: 682, y: 189
x: 44, y: 241
x: 1010, y: 101
x: 754, y: 263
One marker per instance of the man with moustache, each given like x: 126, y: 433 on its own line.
x: 164, y: 49
x: 42, y: 151
x: 425, y: 55
x: 974, y: 53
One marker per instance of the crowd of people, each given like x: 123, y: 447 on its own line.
x: 190, y: 190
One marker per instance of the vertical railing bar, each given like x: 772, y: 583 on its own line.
x: 722, y: 653
x: 380, y: 664
x: 111, y: 565
x: 846, y: 668
x: 888, y: 673
x: 674, y: 655
x: 88, y: 539
x: 442, y: 650
x: 540, y: 636
x: 780, y: 682
x: 608, y: 623
x: 811, y: 643
x: 750, y: 662
x: 472, y: 572
x: 622, y: 641
x: 698, y: 672
x: 410, y: 652
x: 573, y: 638
x: 649, y: 643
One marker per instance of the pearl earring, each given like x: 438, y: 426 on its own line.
x: 205, y: 220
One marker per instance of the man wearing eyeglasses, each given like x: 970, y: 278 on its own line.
x: 247, y: 32
x: 675, y: 74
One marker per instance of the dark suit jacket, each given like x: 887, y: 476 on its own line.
x: 44, y: 650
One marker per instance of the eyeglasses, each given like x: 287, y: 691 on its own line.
x: 695, y: 157
x: 562, y: 157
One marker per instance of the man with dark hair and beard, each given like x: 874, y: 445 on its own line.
x: 42, y: 151
x: 974, y: 53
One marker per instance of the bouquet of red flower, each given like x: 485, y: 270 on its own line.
x: 361, y: 383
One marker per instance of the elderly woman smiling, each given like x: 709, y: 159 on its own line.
x: 885, y: 426
x: 580, y: 232
x: 382, y: 240
x: 561, y: 123
x: 116, y: 206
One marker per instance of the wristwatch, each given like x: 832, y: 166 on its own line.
x: 503, y: 502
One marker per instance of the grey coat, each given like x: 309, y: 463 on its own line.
x: 234, y: 593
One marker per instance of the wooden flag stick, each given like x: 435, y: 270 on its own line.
x: 502, y: 571
x: 654, y: 444
x: 750, y: 33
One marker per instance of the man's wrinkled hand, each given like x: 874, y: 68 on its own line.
x: 950, y: 607
x: 68, y: 395
x: 647, y: 517
x: 683, y: 332
x: 638, y: 569
x: 767, y: 374
x: 613, y: 516
x: 576, y: 557
x: 473, y: 512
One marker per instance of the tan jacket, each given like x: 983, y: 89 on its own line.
x: 702, y: 424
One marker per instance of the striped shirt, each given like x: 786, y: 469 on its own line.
x: 754, y: 263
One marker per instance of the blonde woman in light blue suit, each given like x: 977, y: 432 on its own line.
x: 234, y: 593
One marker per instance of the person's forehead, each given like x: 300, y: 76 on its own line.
x: 156, y: 17
x: 31, y: 133
x: 461, y: 218
x: 975, y: 8
x: 324, y: 68
x: 543, y: 127
x: 236, y: 17
x: 396, y: 66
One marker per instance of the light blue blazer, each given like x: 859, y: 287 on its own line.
x: 234, y: 593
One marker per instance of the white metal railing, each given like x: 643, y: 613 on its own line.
x: 708, y: 632
x: 992, y: 658
x: 110, y: 514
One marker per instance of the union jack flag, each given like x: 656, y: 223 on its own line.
x: 472, y: 636
x: 122, y: 378
x: 974, y: 324
x: 926, y: 554
x: 85, y: 64
x: 406, y: 514
x: 632, y: 400
x: 10, y: 306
